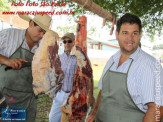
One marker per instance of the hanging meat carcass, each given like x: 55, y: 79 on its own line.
x: 46, y: 66
x: 75, y: 107
x: 81, y: 36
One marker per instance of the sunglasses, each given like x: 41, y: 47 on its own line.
x: 68, y: 41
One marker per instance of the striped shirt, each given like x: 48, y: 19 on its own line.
x: 68, y: 65
x: 145, y: 77
x: 10, y: 41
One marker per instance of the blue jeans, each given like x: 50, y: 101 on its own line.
x: 55, y: 112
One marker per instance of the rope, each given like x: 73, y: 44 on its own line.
x: 106, y: 17
x: 85, y: 3
x: 104, y: 20
x: 113, y: 22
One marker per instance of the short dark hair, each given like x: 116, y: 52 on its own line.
x: 33, y: 22
x: 128, y: 18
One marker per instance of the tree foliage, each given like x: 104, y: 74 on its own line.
x: 149, y: 11
x: 66, y: 29
x: 4, y: 5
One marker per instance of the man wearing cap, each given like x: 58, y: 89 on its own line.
x: 17, y: 47
x: 68, y: 65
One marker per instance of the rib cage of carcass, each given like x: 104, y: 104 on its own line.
x: 46, y: 66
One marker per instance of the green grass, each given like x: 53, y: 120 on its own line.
x: 44, y: 102
x: 97, y: 72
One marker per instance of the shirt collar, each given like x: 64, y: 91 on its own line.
x: 71, y: 54
x: 117, y: 56
x: 133, y: 56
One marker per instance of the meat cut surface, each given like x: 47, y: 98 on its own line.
x: 76, y: 106
x: 46, y: 66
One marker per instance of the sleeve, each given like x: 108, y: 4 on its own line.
x: 151, y: 87
x: 104, y: 71
x: 3, y: 41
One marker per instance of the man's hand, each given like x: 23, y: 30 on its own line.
x: 15, y: 63
x: 92, y: 116
x: 91, y: 100
x: 154, y: 113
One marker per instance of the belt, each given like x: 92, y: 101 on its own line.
x: 66, y: 91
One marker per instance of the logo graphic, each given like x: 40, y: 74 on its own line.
x: 13, y: 114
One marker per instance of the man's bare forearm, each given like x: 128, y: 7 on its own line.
x: 3, y: 59
x: 154, y: 113
x: 91, y: 97
x: 97, y: 103
x: 91, y: 86
x: 92, y: 116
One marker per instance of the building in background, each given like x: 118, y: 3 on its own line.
x: 12, y: 21
x: 99, y: 51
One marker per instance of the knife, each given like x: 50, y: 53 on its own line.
x: 88, y: 112
x: 24, y: 64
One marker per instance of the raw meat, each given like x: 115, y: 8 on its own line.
x: 46, y: 66
x: 81, y: 36
x: 76, y: 106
